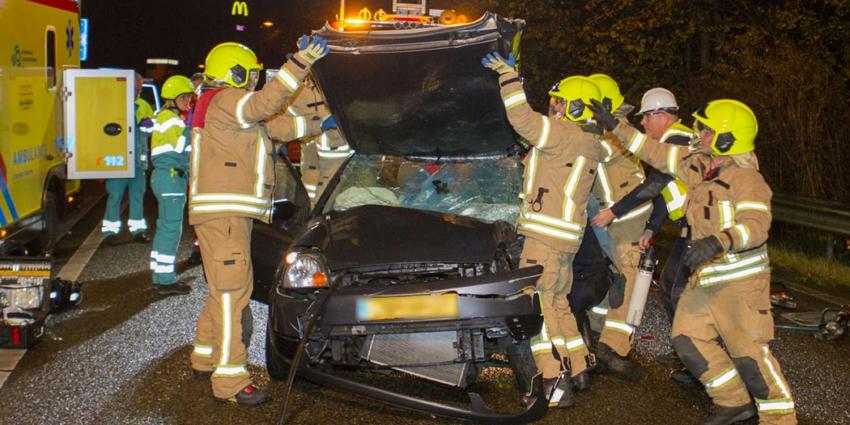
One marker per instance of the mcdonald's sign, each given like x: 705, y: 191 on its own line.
x: 239, y: 8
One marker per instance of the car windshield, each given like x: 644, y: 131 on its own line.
x: 485, y: 189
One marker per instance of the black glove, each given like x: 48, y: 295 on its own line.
x: 602, y: 115
x: 701, y: 251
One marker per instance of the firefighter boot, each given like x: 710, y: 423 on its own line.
x: 722, y: 415
x: 249, y: 396
x: 558, y: 391
x: 619, y: 366
x: 581, y: 382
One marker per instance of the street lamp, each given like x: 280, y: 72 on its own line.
x: 268, y: 24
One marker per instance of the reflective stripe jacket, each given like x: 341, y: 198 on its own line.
x: 232, y: 167
x: 617, y: 175
x: 559, y: 171
x: 675, y: 192
x: 730, y: 202
x: 331, y: 145
x: 169, y: 143
x: 144, y: 121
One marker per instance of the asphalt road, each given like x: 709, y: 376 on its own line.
x: 121, y: 357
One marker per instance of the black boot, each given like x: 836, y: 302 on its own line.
x: 683, y: 375
x: 722, y: 415
x: 178, y: 288
x: 619, y: 366
x: 670, y: 361
x: 141, y: 237
x: 581, y: 382
x: 249, y: 396
x: 558, y: 391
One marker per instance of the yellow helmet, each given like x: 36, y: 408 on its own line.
x: 231, y: 63
x: 175, y: 86
x: 577, y: 91
x: 734, y: 125
x: 609, y: 90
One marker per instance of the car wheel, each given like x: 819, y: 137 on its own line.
x: 522, y: 362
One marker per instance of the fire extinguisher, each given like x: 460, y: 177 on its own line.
x: 641, y: 288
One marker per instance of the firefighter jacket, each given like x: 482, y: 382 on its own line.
x: 232, y: 164
x: 559, y: 171
x: 731, y: 203
x: 169, y: 143
x: 309, y: 101
x: 617, y: 175
x: 675, y: 191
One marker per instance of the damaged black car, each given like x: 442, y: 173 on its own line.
x: 409, y: 260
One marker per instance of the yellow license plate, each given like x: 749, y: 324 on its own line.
x: 444, y: 306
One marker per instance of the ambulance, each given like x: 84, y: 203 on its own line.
x: 39, y: 163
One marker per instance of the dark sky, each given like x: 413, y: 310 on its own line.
x: 124, y: 34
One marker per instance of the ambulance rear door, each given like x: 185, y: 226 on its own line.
x: 99, y: 123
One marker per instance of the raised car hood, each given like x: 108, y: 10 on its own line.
x: 419, y: 92
x: 375, y: 235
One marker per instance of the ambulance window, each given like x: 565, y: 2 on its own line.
x: 50, y: 58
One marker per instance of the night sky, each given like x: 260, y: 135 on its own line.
x: 124, y: 34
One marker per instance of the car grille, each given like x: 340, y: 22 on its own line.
x: 419, y: 272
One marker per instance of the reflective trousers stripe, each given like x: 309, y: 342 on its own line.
x: 720, y: 380
x: 619, y: 326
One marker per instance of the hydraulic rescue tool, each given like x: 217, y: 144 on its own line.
x: 641, y: 289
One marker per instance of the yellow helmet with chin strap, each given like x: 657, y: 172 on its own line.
x: 609, y: 90
x: 175, y: 86
x: 231, y: 63
x: 577, y: 91
x: 734, y: 125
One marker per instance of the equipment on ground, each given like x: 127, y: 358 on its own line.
x: 835, y: 328
x: 641, y: 288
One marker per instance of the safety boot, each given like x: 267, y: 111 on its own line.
x: 249, y: 396
x: 178, y: 288
x: 557, y: 390
x: 683, y: 376
x: 141, y: 237
x: 581, y: 382
x: 722, y: 415
x: 619, y: 366
x: 670, y: 360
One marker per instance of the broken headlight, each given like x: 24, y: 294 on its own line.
x: 305, y: 269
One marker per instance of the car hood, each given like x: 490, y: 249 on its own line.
x: 420, y: 92
x: 375, y: 235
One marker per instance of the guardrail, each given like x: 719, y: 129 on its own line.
x: 829, y: 216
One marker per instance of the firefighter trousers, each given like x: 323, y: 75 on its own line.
x: 225, y: 325
x: 738, y: 314
x: 559, y: 325
x: 624, y: 236
x: 115, y: 188
x: 169, y: 187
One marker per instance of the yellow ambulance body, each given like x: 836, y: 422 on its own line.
x: 38, y: 40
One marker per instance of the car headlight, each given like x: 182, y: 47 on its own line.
x: 305, y: 269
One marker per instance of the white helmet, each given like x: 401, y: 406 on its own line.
x: 658, y: 99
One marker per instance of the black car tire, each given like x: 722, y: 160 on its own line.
x: 522, y: 362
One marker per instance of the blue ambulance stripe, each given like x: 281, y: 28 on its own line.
x: 2, y: 217
x: 10, y: 203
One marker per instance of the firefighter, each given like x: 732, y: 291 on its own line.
x: 727, y: 297
x: 134, y: 186
x: 559, y: 171
x: 231, y: 184
x: 170, y: 156
x: 616, y: 176
x: 659, y: 120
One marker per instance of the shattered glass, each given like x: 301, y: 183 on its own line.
x: 485, y: 189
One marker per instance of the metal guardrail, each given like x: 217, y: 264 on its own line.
x: 829, y: 216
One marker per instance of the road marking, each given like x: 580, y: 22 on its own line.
x: 9, y: 358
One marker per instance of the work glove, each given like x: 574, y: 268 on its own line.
x: 328, y: 123
x: 496, y: 62
x: 311, y: 49
x: 701, y: 251
x: 604, y: 119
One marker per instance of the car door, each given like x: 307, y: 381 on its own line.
x: 269, y: 241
